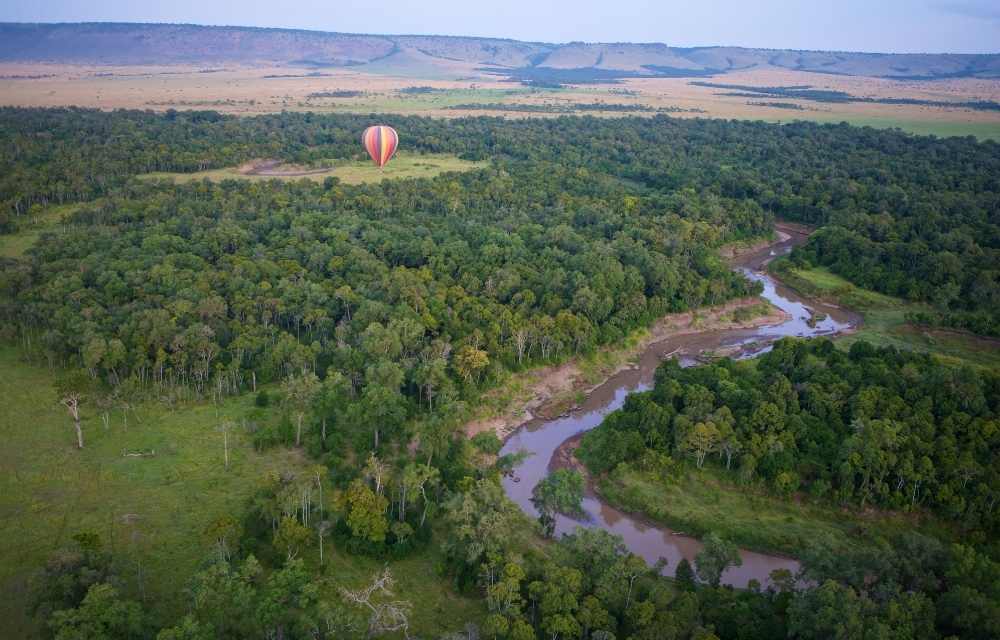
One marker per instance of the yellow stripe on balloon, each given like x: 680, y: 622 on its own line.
x: 383, y: 155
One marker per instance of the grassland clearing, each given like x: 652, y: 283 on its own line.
x: 885, y: 319
x: 403, y: 165
x: 699, y: 501
x: 14, y: 245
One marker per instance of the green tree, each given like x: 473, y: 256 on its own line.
x: 700, y: 441
x: 469, y: 361
x: 224, y: 532
x: 481, y: 522
x: 366, y: 512
x: 300, y: 391
x: 559, y: 492
x: 101, y: 616
x: 286, y: 601
x: 291, y: 537
x: 716, y: 556
x: 684, y: 575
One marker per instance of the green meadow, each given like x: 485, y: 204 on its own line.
x: 885, y: 318
x: 700, y: 501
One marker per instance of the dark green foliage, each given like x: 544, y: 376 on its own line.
x: 923, y: 208
x: 102, y: 615
x: 716, y: 556
x: 406, y: 296
x: 684, y: 575
x: 262, y: 399
x: 559, y: 492
x: 414, y: 293
x: 487, y: 442
x: 946, y: 257
x: 777, y: 105
x: 876, y: 425
x: 70, y: 573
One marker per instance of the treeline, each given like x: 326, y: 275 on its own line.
x: 872, y: 427
x: 926, y: 258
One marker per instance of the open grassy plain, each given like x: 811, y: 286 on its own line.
x: 403, y: 165
x: 382, y: 87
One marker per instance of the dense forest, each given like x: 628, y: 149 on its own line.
x: 366, y: 318
x: 870, y: 426
x: 912, y: 216
x: 859, y: 428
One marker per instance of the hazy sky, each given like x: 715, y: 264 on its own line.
x: 971, y: 26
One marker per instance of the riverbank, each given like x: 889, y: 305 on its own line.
x: 885, y: 317
x: 695, y: 502
x: 545, y: 440
x: 551, y: 391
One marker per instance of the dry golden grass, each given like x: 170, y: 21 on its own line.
x: 244, y: 90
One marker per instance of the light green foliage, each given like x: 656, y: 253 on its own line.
x: 561, y: 491
x: 365, y: 511
x: 300, y: 393
x: 701, y: 440
x: 557, y: 599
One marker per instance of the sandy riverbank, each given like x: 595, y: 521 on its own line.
x: 545, y: 385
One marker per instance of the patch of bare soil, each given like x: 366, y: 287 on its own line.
x: 737, y: 248
x: 277, y: 169
x: 564, y: 456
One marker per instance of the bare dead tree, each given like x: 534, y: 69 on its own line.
x: 384, y: 617
x: 225, y: 428
x: 72, y: 389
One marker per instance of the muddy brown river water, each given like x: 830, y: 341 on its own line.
x: 541, y: 438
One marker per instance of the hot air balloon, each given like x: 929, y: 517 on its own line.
x: 380, y: 141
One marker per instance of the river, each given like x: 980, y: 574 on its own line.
x: 542, y: 438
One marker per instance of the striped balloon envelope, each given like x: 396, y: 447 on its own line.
x: 381, y: 142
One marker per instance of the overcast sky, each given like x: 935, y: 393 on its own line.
x: 970, y: 26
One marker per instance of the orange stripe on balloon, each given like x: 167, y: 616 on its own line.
x: 380, y: 141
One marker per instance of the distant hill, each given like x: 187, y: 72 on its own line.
x: 126, y: 43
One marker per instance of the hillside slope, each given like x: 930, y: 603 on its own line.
x: 126, y: 43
